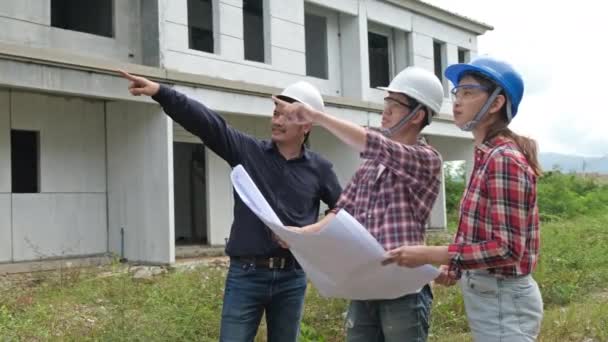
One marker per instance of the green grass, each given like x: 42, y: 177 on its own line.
x: 78, y: 305
x: 572, y: 275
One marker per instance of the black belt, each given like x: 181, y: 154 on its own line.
x: 269, y: 262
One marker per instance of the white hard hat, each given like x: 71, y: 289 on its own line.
x: 419, y: 84
x: 306, y: 93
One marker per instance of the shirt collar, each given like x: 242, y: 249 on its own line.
x: 270, y: 146
x: 482, y: 151
x: 491, y: 144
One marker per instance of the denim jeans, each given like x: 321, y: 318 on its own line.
x: 396, y: 320
x: 505, y: 310
x: 251, y: 291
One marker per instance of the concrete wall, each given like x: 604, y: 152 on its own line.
x: 150, y: 33
x: 453, y: 149
x: 58, y: 225
x: 286, y: 62
x: 438, y: 217
x: 68, y: 216
x: 354, y: 56
x: 6, y: 246
x: 5, y: 142
x: 139, y: 166
x: 412, y: 34
x: 5, y: 179
x: 72, y: 142
x: 155, y: 32
x: 456, y: 150
x: 140, y: 182
x: 28, y: 22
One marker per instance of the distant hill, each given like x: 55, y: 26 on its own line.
x: 573, y: 163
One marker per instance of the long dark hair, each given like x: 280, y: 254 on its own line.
x: 527, y: 146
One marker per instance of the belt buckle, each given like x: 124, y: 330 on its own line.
x: 274, y: 263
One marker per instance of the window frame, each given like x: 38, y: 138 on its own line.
x: 389, y: 33
x: 214, y: 27
x: 37, y: 184
x: 112, y: 34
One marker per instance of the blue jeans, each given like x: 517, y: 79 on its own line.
x: 250, y: 291
x: 506, y: 310
x: 402, y: 319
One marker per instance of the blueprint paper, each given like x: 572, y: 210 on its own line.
x: 343, y: 260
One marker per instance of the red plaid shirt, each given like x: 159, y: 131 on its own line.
x: 499, y: 227
x: 393, y: 191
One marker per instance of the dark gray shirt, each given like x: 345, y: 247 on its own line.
x: 292, y: 187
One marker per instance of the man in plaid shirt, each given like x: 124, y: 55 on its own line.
x: 391, y: 194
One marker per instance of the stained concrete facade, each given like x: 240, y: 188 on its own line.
x: 106, y: 159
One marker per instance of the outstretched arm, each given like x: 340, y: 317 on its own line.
x: 350, y: 133
x: 195, y: 117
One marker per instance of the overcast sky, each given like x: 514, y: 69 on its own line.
x: 561, y: 51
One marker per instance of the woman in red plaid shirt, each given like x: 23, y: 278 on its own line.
x: 496, y: 247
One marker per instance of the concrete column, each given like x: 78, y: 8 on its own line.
x: 438, y: 218
x: 68, y: 215
x: 228, y: 28
x: 451, y: 149
x: 5, y: 142
x: 220, y: 199
x: 286, y: 35
x: 140, y: 182
x: 354, y: 55
x: 150, y: 33
x: 451, y: 52
x: 6, y: 245
x: 5, y: 179
x: 422, y: 46
x: 402, y: 50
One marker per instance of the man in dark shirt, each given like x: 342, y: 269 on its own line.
x: 263, y: 276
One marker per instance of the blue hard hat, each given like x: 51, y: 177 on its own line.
x: 502, y: 73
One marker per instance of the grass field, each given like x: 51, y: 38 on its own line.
x: 109, y: 305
